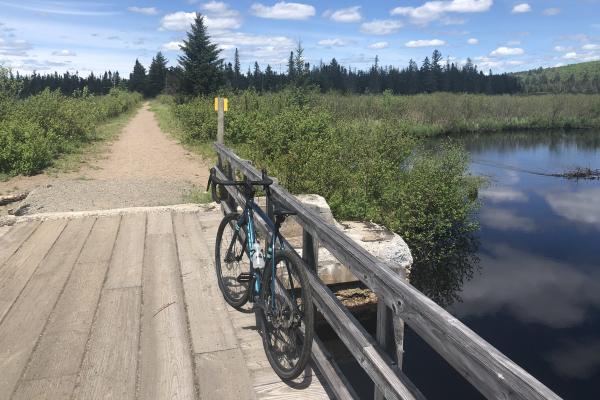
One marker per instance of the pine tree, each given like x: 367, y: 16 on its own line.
x: 291, y: 68
x: 137, y: 79
x: 202, y: 67
x: 236, y: 70
x: 157, y: 75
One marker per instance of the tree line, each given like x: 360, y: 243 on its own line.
x: 540, y: 81
x: 67, y: 83
x: 201, y: 71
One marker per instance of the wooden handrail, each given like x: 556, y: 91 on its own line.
x: 486, y: 368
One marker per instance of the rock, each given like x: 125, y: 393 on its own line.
x: 318, y: 204
x: 8, y: 220
x: 382, y: 243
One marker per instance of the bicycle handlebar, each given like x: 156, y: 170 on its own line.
x: 266, y: 181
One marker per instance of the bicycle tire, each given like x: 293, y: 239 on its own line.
x: 303, y: 336
x: 227, y: 284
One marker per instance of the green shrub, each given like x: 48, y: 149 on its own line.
x: 34, y: 131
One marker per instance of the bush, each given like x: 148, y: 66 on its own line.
x: 369, y: 166
x: 34, y: 131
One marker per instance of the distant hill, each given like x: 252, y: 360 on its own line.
x: 573, y: 78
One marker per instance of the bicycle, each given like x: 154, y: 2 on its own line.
x: 271, y: 280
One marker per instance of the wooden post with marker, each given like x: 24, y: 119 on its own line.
x: 220, y: 106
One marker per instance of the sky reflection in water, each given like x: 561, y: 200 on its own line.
x: 537, y: 296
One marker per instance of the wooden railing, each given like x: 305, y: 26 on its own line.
x: 488, y: 370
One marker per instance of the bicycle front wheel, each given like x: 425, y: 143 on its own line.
x: 286, y: 316
x: 231, y: 261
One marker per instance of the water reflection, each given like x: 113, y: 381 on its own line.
x: 580, y: 207
x: 442, y: 280
x: 576, y: 359
x: 531, y: 288
x: 535, y: 293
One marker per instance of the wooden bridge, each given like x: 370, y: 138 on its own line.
x: 124, y: 304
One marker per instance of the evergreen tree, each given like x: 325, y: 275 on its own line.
x: 202, y: 67
x: 291, y: 68
x: 300, y: 67
x: 137, y: 79
x: 157, y: 75
x: 236, y: 70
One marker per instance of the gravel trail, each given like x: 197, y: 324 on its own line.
x: 144, y: 167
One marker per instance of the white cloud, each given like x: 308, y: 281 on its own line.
x: 425, y: 43
x: 473, y: 41
x: 570, y: 56
x: 261, y: 48
x: 560, y: 48
x: 551, y: 11
x: 381, y: 27
x: 219, y: 8
x: 181, y: 21
x: 521, y: 8
x: 485, y: 63
x: 591, y: 46
x: 172, y: 46
x: 178, y: 21
x: 283, y: 10
x: 332, y: 42
x: 434, y: 10
x: 582, y: 57
x: 379, y: 45
x: 507, y: 51
x: 143, y: 10
x: 63, y: 53
x: 350, y: 14
x: 513, y: 43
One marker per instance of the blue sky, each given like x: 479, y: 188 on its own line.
x: 503, y: 35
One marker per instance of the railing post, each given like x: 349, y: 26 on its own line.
x: 310, y: 250
x: 389, y: 335
x: 221, y: 121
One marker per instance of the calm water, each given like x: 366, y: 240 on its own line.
x: 535, y: 294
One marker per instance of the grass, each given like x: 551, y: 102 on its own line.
x: 106, y: 133
x: 197, y: 195
x: 169, y: 124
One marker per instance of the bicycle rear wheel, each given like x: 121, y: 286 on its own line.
x: 231, y: 261
x: 287, y: 320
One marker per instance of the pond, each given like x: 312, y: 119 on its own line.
x: 535, y: 294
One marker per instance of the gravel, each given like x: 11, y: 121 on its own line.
x: 84, y: 195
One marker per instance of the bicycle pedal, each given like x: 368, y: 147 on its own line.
x: 244, y: 277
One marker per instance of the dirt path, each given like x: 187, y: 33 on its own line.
x: 144, y: 167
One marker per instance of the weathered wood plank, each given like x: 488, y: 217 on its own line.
x: 62, y: 345
x: 223, y: 375
x: 166, y: 365
x: 284, y: 391
x: 491, y: 372
x: 46, y: 389
x: 210, y: 328
x: 13, y: 237
x: 20, y: 267
x: 109, y: 367
x: 128, y: 255
x: 20, y: 330
x: 331, y: 373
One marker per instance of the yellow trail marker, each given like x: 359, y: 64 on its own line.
x: 225, y: 104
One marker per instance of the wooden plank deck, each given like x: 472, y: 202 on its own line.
x: 127, y: 307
